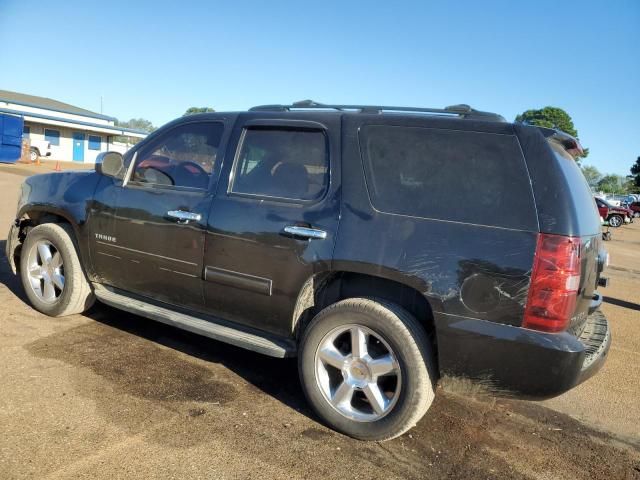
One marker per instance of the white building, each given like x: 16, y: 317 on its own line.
x: 75, y: 134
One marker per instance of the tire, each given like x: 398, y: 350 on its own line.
x: 407, y: 393
x: 636, y: 214
x: 615, y: 221
x: 62, y: 274
x: 33, y: 154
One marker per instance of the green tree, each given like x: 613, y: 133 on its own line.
x: 192, y: 110
x: 592, y: 175
x: 635, y: 171
x: 137, y: 124
x: 551, y: 117
x: 611, y: 183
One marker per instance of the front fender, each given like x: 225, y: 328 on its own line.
x: 13, y: 242
x: 66, y: 195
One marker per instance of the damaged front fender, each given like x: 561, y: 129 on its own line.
x: 12, y: 246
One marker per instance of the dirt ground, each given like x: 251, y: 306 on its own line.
x: 112, y: 395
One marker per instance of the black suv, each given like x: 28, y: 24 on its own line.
x: 386, y: 247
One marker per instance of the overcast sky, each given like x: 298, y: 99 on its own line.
x: 154, y: 59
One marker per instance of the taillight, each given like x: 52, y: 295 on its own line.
x: 555, y: 280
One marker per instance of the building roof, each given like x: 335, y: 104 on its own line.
x: 49, y: 104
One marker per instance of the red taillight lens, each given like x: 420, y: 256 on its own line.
x: 555, y: 280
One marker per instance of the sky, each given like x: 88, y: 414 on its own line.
x: 155, y: 59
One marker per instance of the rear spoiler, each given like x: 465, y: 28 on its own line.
x: 570, y: 143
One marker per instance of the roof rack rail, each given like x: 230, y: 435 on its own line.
x: 461, y: 110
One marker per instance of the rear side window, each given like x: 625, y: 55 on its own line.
x: 282, y: 163
x: 469, y: 177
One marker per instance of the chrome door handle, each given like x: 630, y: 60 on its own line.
x: 306, y: 232
x: 184, y: 217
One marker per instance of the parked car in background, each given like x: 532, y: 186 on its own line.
x: 318, y: 231
x: 39, y: 148
x: 616, y: 216
x: 635, y: 208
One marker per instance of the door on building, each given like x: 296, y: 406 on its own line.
x: 78, y: 147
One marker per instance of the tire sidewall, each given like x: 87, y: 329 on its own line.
x: 392, y: 332
x: 51, y: 233
x: 620, y: 220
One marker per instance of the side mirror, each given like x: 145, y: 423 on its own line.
x: 110, y: 164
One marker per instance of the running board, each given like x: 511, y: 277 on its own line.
x: 207, y: 328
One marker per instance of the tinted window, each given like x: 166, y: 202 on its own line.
x: 183, y: 157
x: 282, y: 163
x: 461, y: 176
x: 586, y: 213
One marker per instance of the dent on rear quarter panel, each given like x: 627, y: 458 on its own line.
x: 467, y: 270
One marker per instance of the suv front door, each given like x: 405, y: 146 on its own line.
x: 273, y: 222
x: 148, y: 237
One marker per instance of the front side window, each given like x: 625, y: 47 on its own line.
x: 282, y: 163
x: 185, y: 156
x: 52, y: 136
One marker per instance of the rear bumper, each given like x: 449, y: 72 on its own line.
x: 514, y: 361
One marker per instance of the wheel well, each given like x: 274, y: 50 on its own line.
x: 322, y: 290
x: 35, y: 149
x: 30, y: 220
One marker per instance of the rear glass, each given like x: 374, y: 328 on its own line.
x: 470, y: 177
x: 586, y: 211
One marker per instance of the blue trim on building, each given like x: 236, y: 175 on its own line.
x: 35, y: 105
x: 117, y: 130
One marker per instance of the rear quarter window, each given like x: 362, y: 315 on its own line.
x: 470, y: 177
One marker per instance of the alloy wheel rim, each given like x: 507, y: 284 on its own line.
x: 615, y: 221
x: 46, y: 271
x: 358, y: 373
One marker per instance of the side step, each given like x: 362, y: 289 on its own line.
x: 206, y: 328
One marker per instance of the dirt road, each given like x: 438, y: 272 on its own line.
x: 112, y: 395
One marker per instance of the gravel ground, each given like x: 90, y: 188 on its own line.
x: 112, y: 395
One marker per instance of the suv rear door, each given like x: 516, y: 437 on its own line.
x: 274, y: 219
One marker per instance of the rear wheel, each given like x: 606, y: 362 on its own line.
x: 51, y: 273
x: 33, y: 154
x: 636, y: 214
x: 366, y: 367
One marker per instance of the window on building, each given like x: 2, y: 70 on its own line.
x: 52, y: 136
x: 282, y: 163
x: 95, y: 142
x: 26, y: 130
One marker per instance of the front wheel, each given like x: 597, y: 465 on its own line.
x: 366, y: 367
x: 33, y: 154
x: 51, y: 272
x: 615, y: 221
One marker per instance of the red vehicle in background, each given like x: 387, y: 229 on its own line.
x: 616, y: 216
x: 635, y: 208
